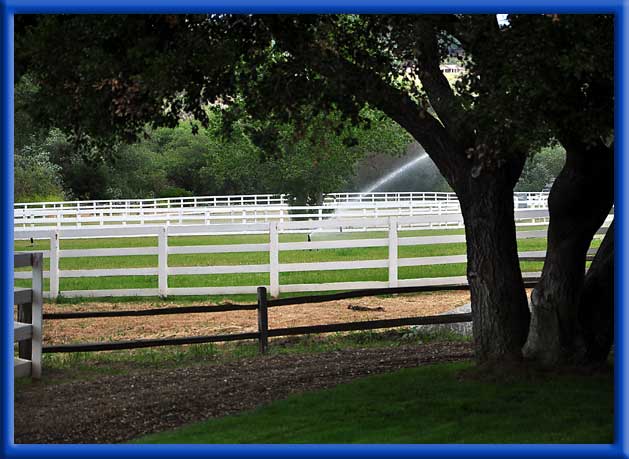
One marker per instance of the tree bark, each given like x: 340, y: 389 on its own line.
x: 579, y: 202
x: 596, y: 305
x: 499, y: 306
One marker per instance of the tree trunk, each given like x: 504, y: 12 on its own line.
x: 596, y: 305
x: 499, y: 306
x: 579, y: 201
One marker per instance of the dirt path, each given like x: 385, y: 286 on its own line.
x: 118, y: 408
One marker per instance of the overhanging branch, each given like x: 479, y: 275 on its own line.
x: 369, y: 87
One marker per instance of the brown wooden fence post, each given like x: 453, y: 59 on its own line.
x: 263, y: 320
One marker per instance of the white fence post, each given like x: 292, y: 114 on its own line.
x: 162, y: 261
x: 393, y: 247
x: 274, y: 259
x: 54, y: 264
x: 37, y: 288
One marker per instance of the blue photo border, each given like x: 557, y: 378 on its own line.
x: 8, y: 8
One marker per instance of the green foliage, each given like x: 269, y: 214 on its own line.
x: 26, y: 132
x: 322, y: 157
x: 545, y: 76
x: 173, y: 192
x: 541, y: 169
x: 193, y: 160
x: 523, y: 81
x: 303, y: 162
x: 36, y: 177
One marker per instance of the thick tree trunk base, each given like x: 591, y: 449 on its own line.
x: 596, y: 306
x: 499, y: 306
x: 579, y: 202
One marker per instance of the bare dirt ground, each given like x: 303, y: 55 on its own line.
x: 118, y: 408
x: 112, y: 329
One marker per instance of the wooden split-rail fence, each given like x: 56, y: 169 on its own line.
x: 264, y: 332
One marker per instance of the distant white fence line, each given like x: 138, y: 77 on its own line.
x: 391, y: 224
x: 244, y: 209
x: 233, y: 200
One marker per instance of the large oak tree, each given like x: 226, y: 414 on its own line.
x: 108, y: 76
x: 554, y: 73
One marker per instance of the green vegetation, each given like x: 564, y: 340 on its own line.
x: 541, y: 168
x: 36, y: 176
x: 428, y: 404
x: 190, y: 159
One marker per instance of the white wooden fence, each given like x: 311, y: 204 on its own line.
x: 50, y: 218
x: 394, y: 226
x: 232, y: 200
x: 27, y: 330
x: 196, y: 211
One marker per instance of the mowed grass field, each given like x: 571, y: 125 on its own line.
x: 245, y: 258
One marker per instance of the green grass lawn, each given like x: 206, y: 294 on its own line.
x: 428, y: 404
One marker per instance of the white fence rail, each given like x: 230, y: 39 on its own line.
x: 232, y: 200
x: 273, y: 247
x: 256, y: 200
x: 204, y: 210
x: 27, y: 329
x: 49, y: 218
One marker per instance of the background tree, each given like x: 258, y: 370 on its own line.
x: 541, y: 168
x: 37, y: 178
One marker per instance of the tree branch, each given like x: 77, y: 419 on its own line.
x: 368, y: 86
x: 437, y: 87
